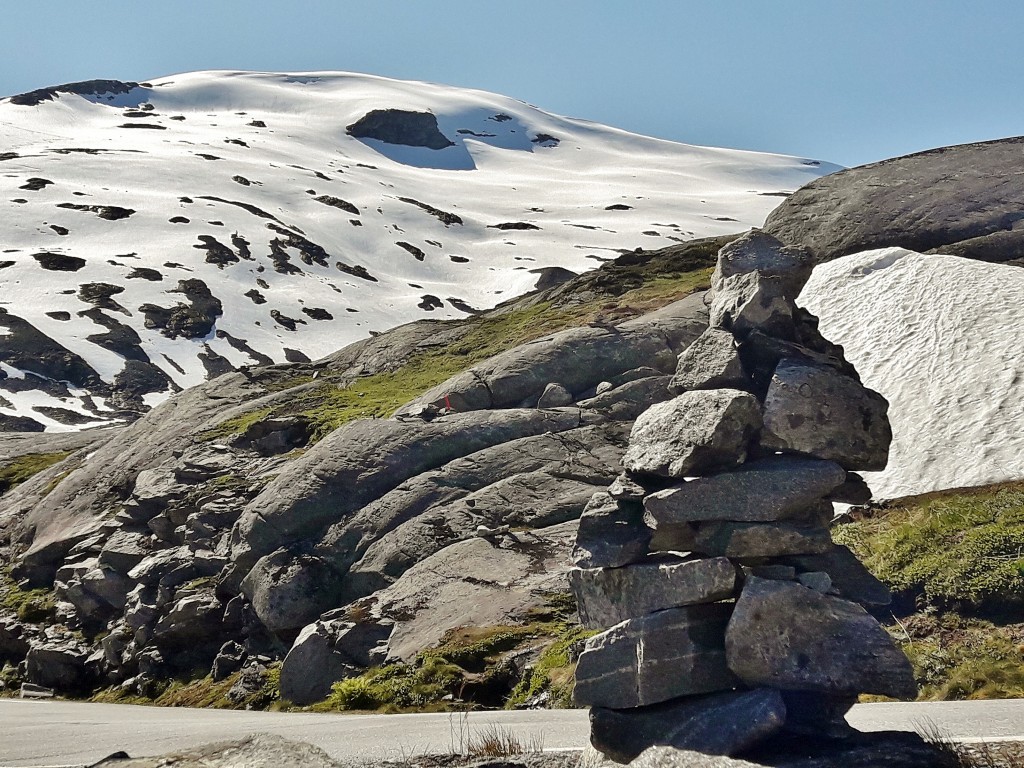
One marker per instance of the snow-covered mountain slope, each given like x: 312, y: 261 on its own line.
x: 940, y: 337
x: 155, y: 234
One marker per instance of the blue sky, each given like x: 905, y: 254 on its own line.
x: 850, y: 81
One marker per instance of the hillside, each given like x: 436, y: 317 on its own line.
x: 158, y: 234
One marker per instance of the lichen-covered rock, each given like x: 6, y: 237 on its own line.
x: 816, y: 410
x: 672, y: 653
x: 693, y: 433
x: 744, y: 540
x: 608, y: 596
x: 786, y: 636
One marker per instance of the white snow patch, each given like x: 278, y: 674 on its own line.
x: 939, y: 337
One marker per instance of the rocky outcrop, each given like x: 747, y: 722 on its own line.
x: 916, y: 202
x: 727, y: 609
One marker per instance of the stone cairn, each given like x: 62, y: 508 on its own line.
x: 728, y: 613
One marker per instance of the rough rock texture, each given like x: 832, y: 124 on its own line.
x: 847, y: 574
x: 711, y: 362
x: 817, y: 411
x: 260, y: 750
x: 672, y: 653
x: 607, y: 596
x: 715, y: 724
x: 769, y: 489
x: 787, y: 636
x: 916, y: 202
x: 692, y: 433
x: 748, y: 540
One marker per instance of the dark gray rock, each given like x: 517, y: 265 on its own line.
x: 287, y: 588
x: 817, y: 411
x: 815, y: 713
x: 848, y: 575
x: 554, y: 396
x: 693, y: 433
x: 748, y: 540
x: 672, y: 653
x: 715, y: 724
x: 13, y: 640
x: 607, y: 596
x: 611, y: 533
x: 786, y: 636
x: 125, y: 549
x: 230, y: 658
x: 59, y: 664
x: 711, y: 362
x: 915, y: 202
x: 854, y: 491
x: 769, y: 489
x: 400, y: 126
x: 624, y: 488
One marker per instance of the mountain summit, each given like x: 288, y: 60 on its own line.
x: 158, y: 234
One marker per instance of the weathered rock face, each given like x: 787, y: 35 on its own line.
x: 787, y: 636
x: 916, y: 202
x: 611, y: 533
x: 693, y: 433
x: 672, y: 653
x: 711, y: 362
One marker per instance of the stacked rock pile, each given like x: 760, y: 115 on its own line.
x: 728, y: 613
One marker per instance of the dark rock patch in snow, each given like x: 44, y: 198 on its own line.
x: 618, y: 207
x: 216, y: 252
x: 444, y: 217
x: 337, y: 202
x: 521, y: 225
x: 242, y: 346
x: 19, y: 424
x: 284, y: 321
x: 152, y: 126
x: 295, y: 356
x: 545, y: 140
x: 144, y: 273
x: 59, y: 315
x: 549, y: 277
x: 28, y: 349
x: 416, y: 252
x: 59, y: 262
x: 59, y: 229
x: 430, y: 303
x: 35, y: 184
x: 190, y: 321
x: 400, y: 126
x: 317, y: 313
x: 108, y: 212
x: 356, y: 271
x: 119, y: 338
x: 256, y: 296
x: 63, y: 415
x: 215, y: 364
x: 462, y: 306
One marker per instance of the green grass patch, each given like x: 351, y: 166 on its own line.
x: 961, y: 548
x: 201, y: 691
x: 31, y: 605
x: 21, y: 468
x: 554, y: 671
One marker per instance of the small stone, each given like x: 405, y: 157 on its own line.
x: 554, y: 396
x: 786, y: 636
x: 817, y: 411
x: 693, y: 433
x: 854, y: 491
x: 607, y: 596
x: 711, y: 362
x: 669, y: 757
x: 604, y: 386
x: 715, y: 724
x: 760, y: 539
x: 672, y: 653
x: 774, y: 488
x: 611, y: 533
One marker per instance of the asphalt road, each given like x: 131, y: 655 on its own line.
x: 59, y: 733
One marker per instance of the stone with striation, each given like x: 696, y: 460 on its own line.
x: 693, y: 433
x: 672, y: 653
x: 607, y: 596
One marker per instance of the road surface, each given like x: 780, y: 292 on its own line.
x: 59, y: 733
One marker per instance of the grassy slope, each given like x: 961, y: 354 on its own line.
x: 955, y: 562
